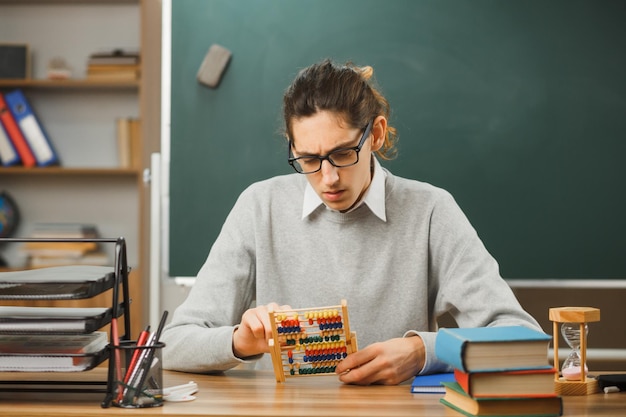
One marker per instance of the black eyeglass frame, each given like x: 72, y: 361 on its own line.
x: 328, y: 156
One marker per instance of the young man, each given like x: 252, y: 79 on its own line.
x: 400, y: 251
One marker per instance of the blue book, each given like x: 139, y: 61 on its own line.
x: 31, y: 128
x: 433, y: 383
x: 483, y: 349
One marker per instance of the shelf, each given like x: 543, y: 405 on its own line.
x: 79, y: 84
x: 68, y: 1
x: 60, y: 171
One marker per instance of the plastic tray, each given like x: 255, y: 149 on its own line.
x: 56, y: 283
x: 37, y: 320
x: 52, y: 352
x: 52, y: 362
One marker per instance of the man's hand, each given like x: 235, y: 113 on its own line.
x: 252, y: 336
x: 388, y: 363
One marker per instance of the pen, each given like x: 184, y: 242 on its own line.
x: 144, y: 367
x: 141, y: 340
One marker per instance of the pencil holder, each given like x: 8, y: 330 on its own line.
x: 138, y: 374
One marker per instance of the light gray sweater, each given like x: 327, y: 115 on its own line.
x: 396, y: 276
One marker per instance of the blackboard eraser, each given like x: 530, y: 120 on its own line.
x: 213, y: 66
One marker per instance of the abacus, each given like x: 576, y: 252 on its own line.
x: 311, y: 341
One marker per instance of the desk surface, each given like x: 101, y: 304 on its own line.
x: 253, y: 393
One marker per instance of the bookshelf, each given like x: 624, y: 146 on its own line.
x: 79, y: 115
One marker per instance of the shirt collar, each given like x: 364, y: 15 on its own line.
x: 374, y: 196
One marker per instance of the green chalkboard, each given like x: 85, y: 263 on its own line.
x: 516, y: 107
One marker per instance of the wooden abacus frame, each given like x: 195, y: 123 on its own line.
x: 310, y: 341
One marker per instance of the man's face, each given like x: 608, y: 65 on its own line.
x: 320, y: 134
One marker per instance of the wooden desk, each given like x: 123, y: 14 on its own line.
x: 250, y: 393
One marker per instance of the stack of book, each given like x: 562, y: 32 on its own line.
x: 114, y: 65
x: 45, y: 254
x: 501, y: 371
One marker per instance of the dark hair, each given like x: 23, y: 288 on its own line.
x: 342, y: 89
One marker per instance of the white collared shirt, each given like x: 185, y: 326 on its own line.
x: 374, y: 196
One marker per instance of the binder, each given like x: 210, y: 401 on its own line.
x: 15, y: 134
x: 8, y: 154
x: 32, y: 129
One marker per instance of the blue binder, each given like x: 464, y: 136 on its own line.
x: 8, y: 154
x: 32, y: 129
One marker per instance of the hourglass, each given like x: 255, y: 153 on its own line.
x: 574, y: 329
x: 573, y: 367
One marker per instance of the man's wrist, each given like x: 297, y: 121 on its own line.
x: 236, y: 354
x: 418, y: 346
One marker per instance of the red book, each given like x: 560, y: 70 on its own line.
x: 15, y: 134
x: 522, y: 383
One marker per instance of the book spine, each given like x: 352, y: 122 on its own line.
x: 123, y: 142
x: 450, y: 349
x: 15, y: 134
x: 135, y: 143
x: 463, y: 379
x: 8, y: 154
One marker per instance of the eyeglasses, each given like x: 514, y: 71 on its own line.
x: 340, y: 158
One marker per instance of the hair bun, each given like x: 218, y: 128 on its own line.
x: 366, y: 72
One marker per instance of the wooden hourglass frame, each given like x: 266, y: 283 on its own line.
x: 582, y: 315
